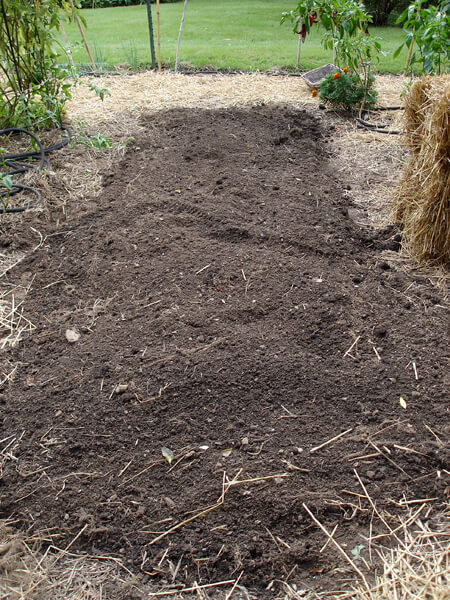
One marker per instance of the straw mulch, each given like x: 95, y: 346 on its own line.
x: 416, y: 567
x: 419, y: 565
x: 421, y: 202
x: 150, y: 92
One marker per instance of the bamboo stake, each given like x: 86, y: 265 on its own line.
x: 179, y: 35
x: 408, y: 59
x: 158, y: 36
x: 299, y: 45
x: 86, y: 45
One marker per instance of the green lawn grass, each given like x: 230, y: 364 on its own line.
x: 227, y: 35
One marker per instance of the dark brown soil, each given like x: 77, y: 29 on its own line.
x: 246, y: 319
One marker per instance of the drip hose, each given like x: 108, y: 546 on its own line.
x: 18, y: 164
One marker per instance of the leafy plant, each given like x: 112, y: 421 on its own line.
x: 344, y: 89
x: 82, y: 138
x: 33, y: 85
x: 429, y: 28
x: 131, y: 55
x: 346, y: 25
x: 6, y: 185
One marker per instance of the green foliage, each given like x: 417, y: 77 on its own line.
x: 6, y: 184
x: 381, y: 10
x: 345, y: 90
x: 110, y: 3
x: 346, y: 29
x: 82, y: 138
x: 247, y: 37
x: 33, y: 86
x: 429, y: 28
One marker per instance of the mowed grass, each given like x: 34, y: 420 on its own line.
x: 242, y: 35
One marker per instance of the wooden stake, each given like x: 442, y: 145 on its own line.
x: 408, y: 59
x: 179, y: 35
x: 299, y: 45
x: 158, y: 36
x: 86, y: 45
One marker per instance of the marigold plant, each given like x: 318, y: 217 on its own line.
x: 345, y: 90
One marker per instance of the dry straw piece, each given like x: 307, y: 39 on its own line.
x: 418, y: 567
x: 421, y: 201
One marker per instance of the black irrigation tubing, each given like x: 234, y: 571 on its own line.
x: 16, y: 166
x: 376, y: 128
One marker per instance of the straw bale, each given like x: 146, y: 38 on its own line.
x: 421, y: 201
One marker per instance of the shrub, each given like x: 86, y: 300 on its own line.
x: 33, y: 86
x: 345, y: 90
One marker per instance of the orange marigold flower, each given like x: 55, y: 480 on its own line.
x: 345, y: 69
x: 336, y: 76
x: 314, y: 93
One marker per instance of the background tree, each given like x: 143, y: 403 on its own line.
x: 385, y: 12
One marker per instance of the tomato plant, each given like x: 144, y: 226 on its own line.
x: 346, y: 25
x: 429, y: 27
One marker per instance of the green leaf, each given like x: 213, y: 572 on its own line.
x: 397, y: 52
x: 356, y: 551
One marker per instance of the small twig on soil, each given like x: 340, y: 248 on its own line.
x: 226, y: 485
x: 202, y: 269
x: 406, y: 449
x: 376, y: 353
x: 150, y: 466
x: 341, y: 550
x: 12, y: 266
x: 230, y: 593
x: 336, y: 437
x: 364, y: 457
x: 376, y: 511
x: 396, y: 424
x: 293, y: 467
x: 437, y: 438
x: 353, y: 345
x: 188, y: 454
x: 390, y: 460
x: 241, y: 481
x: 329, y: 539
x: 125, y: 467
x: 415, y: 371
x: 408, y: 502
x: 408, y: 522
x: 289, y: 415
x: 190, y: 589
